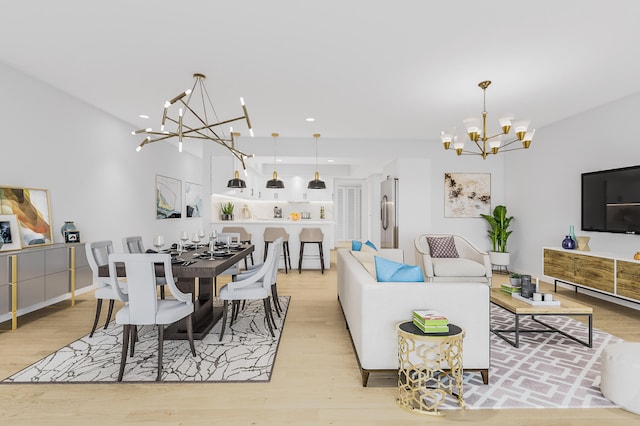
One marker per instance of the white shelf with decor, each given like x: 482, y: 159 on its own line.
x: 605, y: 273
x: 33, y: 278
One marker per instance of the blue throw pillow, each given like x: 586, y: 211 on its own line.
x: 357, y: 245
x: 390, y: 271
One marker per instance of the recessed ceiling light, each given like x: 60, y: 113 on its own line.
x: 143, y: 116
x: 331, y: 161
x: 310, y: 119
x: 279, y: 160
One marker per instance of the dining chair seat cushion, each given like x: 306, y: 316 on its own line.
x: 168, y: 311
x: 253, y: 291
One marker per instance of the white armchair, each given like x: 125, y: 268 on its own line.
x: 471, y: 265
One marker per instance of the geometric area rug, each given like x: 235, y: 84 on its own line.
x: 246, y: 353
x: 548, y: 370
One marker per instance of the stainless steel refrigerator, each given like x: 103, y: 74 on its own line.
x: 389, y: 213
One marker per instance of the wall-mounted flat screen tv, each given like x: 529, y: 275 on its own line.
x: 611, y: 200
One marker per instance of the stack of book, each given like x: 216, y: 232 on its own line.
x: 430, y: 321
x: 508, y: 288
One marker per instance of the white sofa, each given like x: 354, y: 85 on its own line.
x: 472, y: 265
x: 372, y: 310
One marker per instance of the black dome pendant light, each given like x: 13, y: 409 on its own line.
x: 275, y: 183
x: 236, y: 182
x: 316, y: 183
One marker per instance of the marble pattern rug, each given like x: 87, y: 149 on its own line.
x: 246, y: 353
x: 548, y: 370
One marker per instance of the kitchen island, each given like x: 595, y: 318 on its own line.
x: 311, y: 258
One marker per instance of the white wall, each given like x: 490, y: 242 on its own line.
x: 87, y: 161
x: 543, y: 183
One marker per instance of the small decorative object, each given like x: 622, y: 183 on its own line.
x: 72, y: 237
x: 528, y: 288
x: 9, y: 233
x: 321, y: 212
x: 277, y: 212
x: 568, y: 243
x: 68, y: 226
x: 246, y: 213
x: 583, y: 243
x: 294, y: 216
x: 515, y: 279
x: 572, y: 235
x: 226, y: 211
x: 637, y: 255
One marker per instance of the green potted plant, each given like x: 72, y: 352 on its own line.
x: 226, y: 211
x: 515, y: 279
x: 499, y: 234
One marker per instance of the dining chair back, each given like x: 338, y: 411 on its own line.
x: 135, y: 245
x: 245, y: 237
x: 98, y: 255
x: 143, y: 306
x: 132, y: 244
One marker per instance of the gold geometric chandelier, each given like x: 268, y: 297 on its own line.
x: 190, y: 124
x: 477, y: 131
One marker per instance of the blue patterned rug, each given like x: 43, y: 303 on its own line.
x: 246, y: 353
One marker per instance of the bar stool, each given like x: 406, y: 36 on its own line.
x: 311, y: 235
x: 270, y: 235
x: 245, y: 238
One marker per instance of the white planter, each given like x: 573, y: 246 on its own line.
x: 499, y: 259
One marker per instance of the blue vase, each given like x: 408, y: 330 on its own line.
x: 68, y: 226
x: 568, y: 243
x: 573, y: 236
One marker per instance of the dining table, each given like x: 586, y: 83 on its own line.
x: 196, y: 269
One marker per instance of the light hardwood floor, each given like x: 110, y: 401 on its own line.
x: 316, y: 380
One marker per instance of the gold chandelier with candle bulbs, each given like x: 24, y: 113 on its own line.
x: 193, y: 122
x: 477, y: 131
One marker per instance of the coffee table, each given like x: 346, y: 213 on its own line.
x: 521, y: 309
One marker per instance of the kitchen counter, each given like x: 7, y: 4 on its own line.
x: 311, y: 258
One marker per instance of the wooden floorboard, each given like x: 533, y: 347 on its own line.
x: 316, y: 379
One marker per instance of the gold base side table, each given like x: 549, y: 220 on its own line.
x: 430, y: 368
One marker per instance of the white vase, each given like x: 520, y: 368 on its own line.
x: 499, y: 258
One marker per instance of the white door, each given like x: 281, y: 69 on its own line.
x: 349, y: 212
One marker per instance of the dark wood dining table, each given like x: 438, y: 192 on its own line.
x: 204, y: 271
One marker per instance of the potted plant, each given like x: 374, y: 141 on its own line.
x: 226, y: 211
x: 499, y: 223
x: 515, y: 279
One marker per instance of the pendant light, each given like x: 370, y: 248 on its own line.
x: 316, y: 183
x: 275, y: 183
x: 236, y: 182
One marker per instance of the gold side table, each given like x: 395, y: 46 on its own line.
x: 430, y: 368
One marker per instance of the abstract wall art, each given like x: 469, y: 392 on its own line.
x: 31, y: 207
x: 193, y: 199
x: 467, y: 194
x: 168, y: 198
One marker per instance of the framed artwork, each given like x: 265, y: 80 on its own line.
x: 72, y: 237
x: 193, y: 199
x: 168, y: 198
x: 467, y: 194
x: 9, y: 232
x: 31, y: 207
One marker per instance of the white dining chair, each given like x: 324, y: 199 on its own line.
x: 142, y: 306
x: 98, y: 255
x: 134, y: 245
x: 254, y: 287
x: 274, y: 276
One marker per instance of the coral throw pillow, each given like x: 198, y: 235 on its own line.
x: 442, y: 246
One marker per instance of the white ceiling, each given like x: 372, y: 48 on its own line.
x: 361, y: 68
